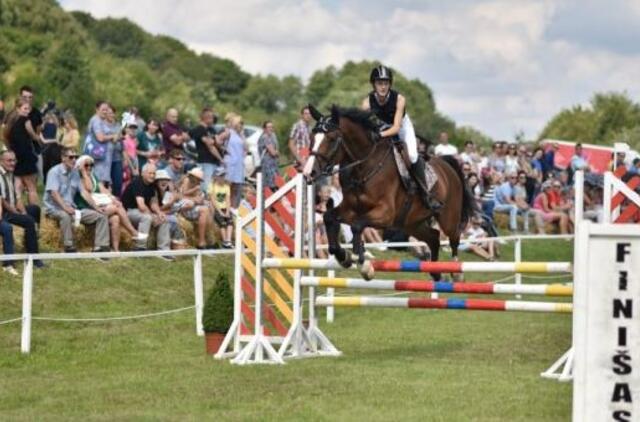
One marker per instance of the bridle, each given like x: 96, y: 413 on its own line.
x: 326, y: 125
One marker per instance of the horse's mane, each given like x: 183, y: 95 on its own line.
x: 364, y: 118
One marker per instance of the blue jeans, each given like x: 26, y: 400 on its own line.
x: 487, y: 209
x: 116, y: 178
x: 208, y: 169
x: 513, y: 212
x: 6, y: 231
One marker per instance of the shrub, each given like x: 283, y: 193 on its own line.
x: 217, y: 314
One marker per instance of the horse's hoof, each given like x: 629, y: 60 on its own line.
x: 366, y: 270
x: 348, y: 260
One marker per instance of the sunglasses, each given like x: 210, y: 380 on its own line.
x: 178, y: 158
x: 73, y: 157
x: 89, y: 166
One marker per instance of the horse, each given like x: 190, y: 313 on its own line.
x: 374, y: 194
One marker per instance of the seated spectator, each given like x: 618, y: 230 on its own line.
x: 544, y: 204
x: 336, y: 196
x: 63, y: 182
x: 169, y: 199
x: 193, y: 205
x: 6, y: 231
x: 143, y: 209
x: 14, y: 212
x: 487, y: 249
x: 93, y: 195
x: 175, y: 169
x: 520, y: 197
x: 593, y: 209
x: 322, y: 199
x: 505, y: 203
x: 220, y: 195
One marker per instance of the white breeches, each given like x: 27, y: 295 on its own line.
x: 408, y: 135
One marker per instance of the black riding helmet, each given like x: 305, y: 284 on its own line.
x: 381, y: 73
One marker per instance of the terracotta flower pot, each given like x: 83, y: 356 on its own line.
x: 213, y: 342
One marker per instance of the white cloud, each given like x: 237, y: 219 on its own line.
x: 500, y: 65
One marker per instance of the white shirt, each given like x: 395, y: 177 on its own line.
x: 442, y: 149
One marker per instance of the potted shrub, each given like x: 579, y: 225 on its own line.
x: 217, y: 314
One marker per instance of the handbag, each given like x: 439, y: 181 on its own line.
x: 94, y: 149
x: 101, y: 199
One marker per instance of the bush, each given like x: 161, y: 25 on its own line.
x: 217, y: 314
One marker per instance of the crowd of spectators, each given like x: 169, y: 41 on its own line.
x: 137, y: 174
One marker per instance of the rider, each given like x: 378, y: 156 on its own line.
x: 389, y: 106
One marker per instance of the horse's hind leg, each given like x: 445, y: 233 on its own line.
x: 332, y: 224
x: 454, y: 242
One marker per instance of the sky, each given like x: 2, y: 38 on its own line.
x: 501, y: 66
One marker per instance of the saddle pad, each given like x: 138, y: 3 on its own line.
x: 429, y: 172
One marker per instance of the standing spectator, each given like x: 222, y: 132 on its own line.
x: 92, y: 195
x: 490, y: 182
x: 548, y: 161
x: 220, y: 194
x: 511, y: 164
x: 578, y: 162
x: 34, y: 127
x: 300, y: 139
x: 537, y: 164
x: 193, y: 205
x: 131, y: 167
x: 70, y: 137
x: 101, y: 134
x: 470, y: 156
x: 234, y: 159
x: 175, y: 169
x: 505, y: 203
x: 50, y: 147
x: 14, y: 212
x: 137, y: 118
x: 268, y: 150
x: 444, y: 147
x: 496, y: 158
x: 208, y: 145
x: 116, y: 157
x: 16, y: 133
x: 173, y: 136
x: 142, y: 204
x: 63, y: 182
x: 150, y: 149
x: 521, y: 199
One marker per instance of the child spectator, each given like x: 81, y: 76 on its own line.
x: 487, y: 249
x: 220, y: 195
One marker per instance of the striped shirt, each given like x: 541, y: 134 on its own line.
x: 7, y: 187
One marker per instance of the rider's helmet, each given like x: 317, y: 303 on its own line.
x: 381, y: 73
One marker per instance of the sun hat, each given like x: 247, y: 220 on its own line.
x: 197, y: 173
x: 162, y: 175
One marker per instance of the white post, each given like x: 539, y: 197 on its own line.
x: 27, y: 297
x: 198, y: 292
x: 311, y: 252
x: 517, y: 257
x: 331, y: 310
x: 607, y: 196
x: 578, y: 187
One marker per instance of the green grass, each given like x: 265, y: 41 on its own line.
x: 397, y: 364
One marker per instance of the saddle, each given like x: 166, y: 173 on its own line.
x: 403, y: 170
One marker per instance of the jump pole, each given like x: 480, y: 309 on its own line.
x: 426, y: 266
x: 440, y: 287
x: 459, y: 304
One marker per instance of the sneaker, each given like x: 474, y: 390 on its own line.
x: 11, y: 270
x: 167, y: 258
x: 140, y: 237
x: 227, y: 245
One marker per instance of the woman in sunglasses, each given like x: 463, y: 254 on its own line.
x: 94, y: 195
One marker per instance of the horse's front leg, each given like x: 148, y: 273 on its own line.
x: 366, y: 268
x: 332, y: 224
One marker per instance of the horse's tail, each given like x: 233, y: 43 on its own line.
x: 468, y: 202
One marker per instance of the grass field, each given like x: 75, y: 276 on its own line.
x: 398, y: 364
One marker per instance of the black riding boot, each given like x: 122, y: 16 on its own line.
x: 417, y: 171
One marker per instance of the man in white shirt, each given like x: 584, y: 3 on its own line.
x: 444, y: 147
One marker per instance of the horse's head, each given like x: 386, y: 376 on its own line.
x: 327, y: 143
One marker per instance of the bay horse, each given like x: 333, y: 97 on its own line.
x: 373, y: 192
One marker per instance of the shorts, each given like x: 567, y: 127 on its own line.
x: 221, y: 220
